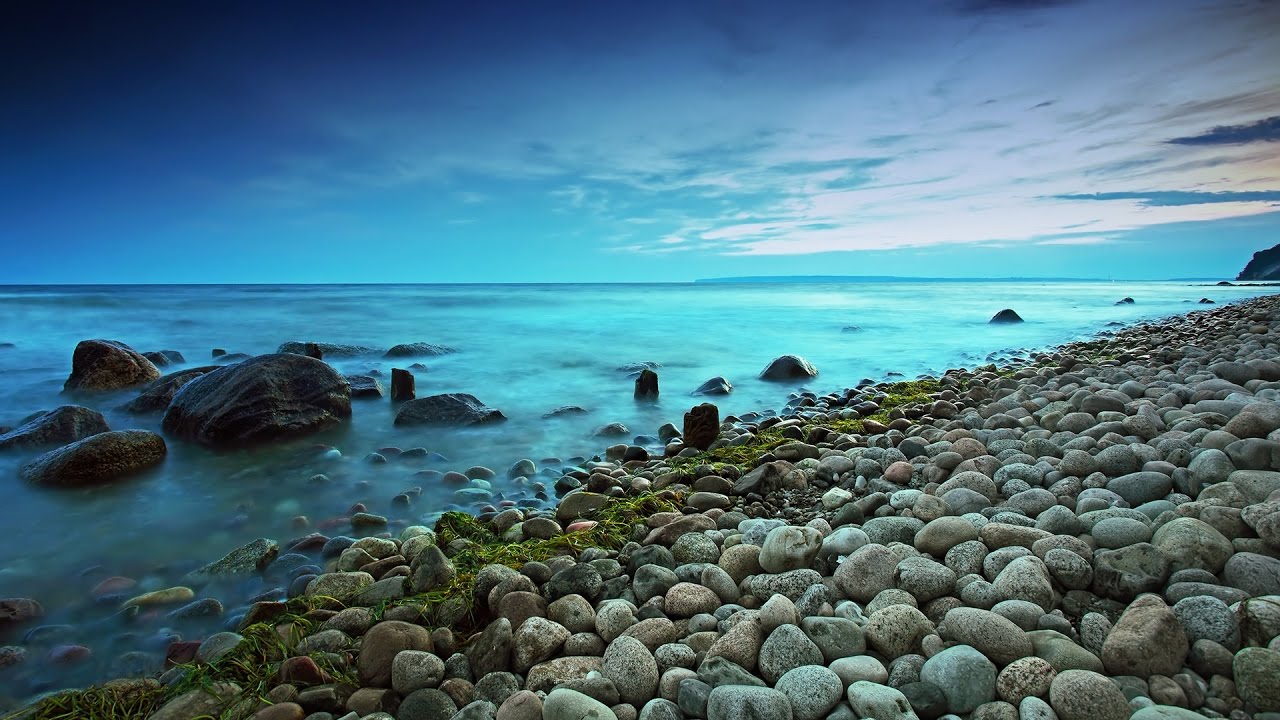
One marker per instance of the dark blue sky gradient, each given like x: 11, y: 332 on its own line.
x: 609, y: 141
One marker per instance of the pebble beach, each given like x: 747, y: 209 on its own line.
x: 1091, y: 533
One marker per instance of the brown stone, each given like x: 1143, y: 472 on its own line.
x: 303, y: 671
x: 108, y: 365
x: 402, y: 385
x: 380, y: 646
x: 281, y: 711
x: 647, y: 384
x: 18, y: 610
x: 701, y: 426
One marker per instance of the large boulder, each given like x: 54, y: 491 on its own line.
x: 97, y: 459
x: 417, y: 349
x: 788, y: 367
x: 108, y: 365
x: 58, y: 426
x: 268, y: 397
x: 447, y: 409
x: 701, y: 426
x: 1005, y: 317
x: 1146, y: 640
x: 157, y: 395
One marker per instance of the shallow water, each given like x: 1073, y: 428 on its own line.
x: 524, y: 349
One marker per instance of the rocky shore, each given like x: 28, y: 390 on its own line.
x: 1091, y: 535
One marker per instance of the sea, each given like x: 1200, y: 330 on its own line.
x: 524, y: 349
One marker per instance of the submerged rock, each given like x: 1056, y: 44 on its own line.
x: 64, y: 424
x: 97, y: 459
x: 268, y: 397
x: 417, y: 349
x: 647, y: 384
x: 1005, y: 316
x: 448, y: 409
x: 108, y: 365
x: 244, y: 560
x: 330, y: 350
x: 788, y: 367
x: 157, y: 395
x: 403, y: 386
x: 365, y: 387
x: 715, y: 386
x: 164, y: 358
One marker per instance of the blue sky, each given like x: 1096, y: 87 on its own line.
x: 611, y: 141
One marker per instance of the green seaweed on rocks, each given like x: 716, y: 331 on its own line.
x: 115, y: 699
x: 743, y: 456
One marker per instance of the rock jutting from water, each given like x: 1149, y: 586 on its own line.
x: 98, y: 365
x: 1093, y: 534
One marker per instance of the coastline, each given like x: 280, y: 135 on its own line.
x: 451, y: 580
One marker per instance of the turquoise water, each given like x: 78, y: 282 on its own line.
x: 524, y: 349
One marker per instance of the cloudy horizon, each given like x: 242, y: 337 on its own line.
x: 614, y: 142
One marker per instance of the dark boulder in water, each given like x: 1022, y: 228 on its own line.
x: 57, y: 427
x: 365, y: 387
x: 647, y: 384
x: 268, y: 397
x: 97, y: 459
x: 614, y: 429
x: 851, y: 328
x: 1207, y: 301
x: 329, y: 350
x: 701, y: 426
x: 1226, y: 283
x: 402, y: 385
x: 1125, y: 301
x: 163, y: 358
x: 715, y: 386
x: 563, y: 411
x: 157, y: 396
x: 788, y: 367
x: 448, y: 409
x: 1005, y: 316
x: 108, y: 365
x: 418, y: 349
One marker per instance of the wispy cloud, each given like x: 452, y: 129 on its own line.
x: 1265, y: 130
x: 1176, y: 198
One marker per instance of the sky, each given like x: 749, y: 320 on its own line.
x: 609, y: 141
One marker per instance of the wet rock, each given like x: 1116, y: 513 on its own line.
x: 15, y: 611
x: 566, y: 704
x: 200, y: 702
x: 1085, y: 695
x: 156, y: 396
x: 97, y: 459
x: 247, y: 559
x: 701, y: 426
x: 966, y: 676
x: 264, y: 398
x: 879, y: 702
x: 633, y: 670
x: 380, y: 646
x: 455, y: 409
x: 417, y: 349
x: 329, y: 350
x: 365, y: 387
x: 646, y: 384
x: 740, y: 702
x: 402, y: 385
x: 1005, y: 316
x: 59, y: 426
x: 108, y: 365
x: 1256, y: 670
x: 788, y: 367
x: 715, y: 386
x: 1146, y: 640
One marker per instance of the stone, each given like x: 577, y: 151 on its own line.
x: 813, y: 690
x: 247, y: 559
x: 633, y: 670
x: 741, y: 702
x: 365, y: 387
x: 788, y: 367
x: 522, y: 705
x: 380, y: 646
x: 545, y: 676
x: 789, y: 548
x: 925, y: 579
x: 1255, y: 670
x: 996, y: 637
x: 684, y: 600
x: 535, y: 640
x: 1192, y: 543
x: 64, y: 424
x: 490, y: 651
x: 1253, y: 573
x: 1204, y: 617
x: 566, y: 704
x: 715, y: 386
x: 1146, y: 640
x: 1023, y: 678
x: 98, y: 365
x: 966, y: 676
x: 701, y: 426
x: 1026, y: 578
x: 1141, y: 487
x: 342, y: 586
x: 897, y: 630
x: 1005, y: 317
x: 202, y: 701
x: 866, y: 572
x: 402, y: 386
x: 646, y: 386
x: 450, y: 409
x: 836, y: 637
x: 786, y: 648
x: 97, y: 459
x: 879, y: 702
x: 1125, y: 573
x: 265, y: 398
x: 414, y: 670
x: 430, y: 570
x: 740, y: 644
x: 1085, y: 695
x: 14, y: 611
x: 427, y: 704
x: 158, y: 394
x: 417, y: 349
x: 939, y: 536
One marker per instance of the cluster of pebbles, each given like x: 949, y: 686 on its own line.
x: 1092, y: 536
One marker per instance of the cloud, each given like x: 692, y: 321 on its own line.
x: 1173, y: 198
x: 1265, y: 130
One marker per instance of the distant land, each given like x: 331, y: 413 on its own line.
x: 898, y: 278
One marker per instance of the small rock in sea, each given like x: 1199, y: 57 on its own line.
x: 646, y: 385
x: 247, y: 559
x: 788, y: 367
x: 168, y: 596
x: 456, y: 409
x: 715, y: 386
x: 164, y: 357
x: 108, y: 365
x: 156, y: 395
x: 217, y: 353
x: 232, y: 358
x: 850, y: 328
x: 417, y: 349
x: 564, y: 411
x: 312, y: 350
x: 329, y: 350
x: 402, y: 385
x: 611, y: 430
x: 701, y: 426
x: 1125, y: 301
x: 19, y: 610
x: 1005, y: 316
x: 1206, y: 301
x: 97, y: 459
x: 365, y: 387
x: 61, y: 425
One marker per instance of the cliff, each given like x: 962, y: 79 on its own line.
x: 1265, y: 265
